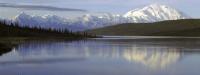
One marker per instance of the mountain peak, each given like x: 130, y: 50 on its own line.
x: 21, y: 15
x: 153, y: 13
x: 160, y: 6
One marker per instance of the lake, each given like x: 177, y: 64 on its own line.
x: 107, y: 56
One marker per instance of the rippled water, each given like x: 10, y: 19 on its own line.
x: 104, y: 57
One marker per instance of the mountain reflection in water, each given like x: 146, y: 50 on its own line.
x: 157, y: 54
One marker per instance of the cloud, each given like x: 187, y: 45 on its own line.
x: 38, y: 7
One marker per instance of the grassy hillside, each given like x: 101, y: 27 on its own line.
x: 187, y: 27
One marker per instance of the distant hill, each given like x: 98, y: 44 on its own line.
x: 185, y: 27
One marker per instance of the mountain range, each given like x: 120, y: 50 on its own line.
x: 147, y: 14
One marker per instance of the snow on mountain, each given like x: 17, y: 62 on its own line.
x: 81, y: 23
x: 106, y: 19
x: 49, y: 21
x: 154, y: 13
x: 151, y: 13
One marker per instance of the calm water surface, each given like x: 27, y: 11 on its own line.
x: 104, y: 57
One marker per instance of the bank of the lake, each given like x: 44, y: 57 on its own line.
x: 12, y: 34
x: 6, y: 43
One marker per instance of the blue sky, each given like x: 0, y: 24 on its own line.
x: 189, y: 7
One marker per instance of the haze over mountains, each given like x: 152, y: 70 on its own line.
x: 148, y: 14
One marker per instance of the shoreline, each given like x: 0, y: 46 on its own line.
x: 7, y: 43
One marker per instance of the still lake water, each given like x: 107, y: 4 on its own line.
x: 104, y: 57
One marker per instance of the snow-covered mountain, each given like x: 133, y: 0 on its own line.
x: 78, y: 24
x: 151, y: 13
x: 154, y: 13
x: 50, y: 21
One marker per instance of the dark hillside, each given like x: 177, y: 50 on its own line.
x: 14, y: 30
x: 186, y: 27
